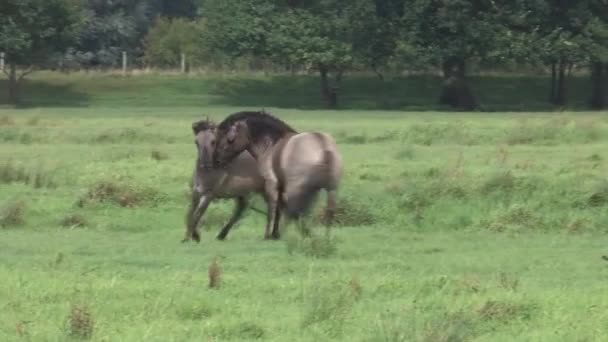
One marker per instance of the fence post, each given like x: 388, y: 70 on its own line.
x: 183, y: 63
x: 2, y: 61
x: 124, y: 63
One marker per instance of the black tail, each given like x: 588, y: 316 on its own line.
x: 300, y: 203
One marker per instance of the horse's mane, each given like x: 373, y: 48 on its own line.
x: 260, y: 124
x: 202, y: 125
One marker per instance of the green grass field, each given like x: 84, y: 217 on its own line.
x: 452, y: 227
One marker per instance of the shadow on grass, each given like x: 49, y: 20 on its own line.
x: 412, y: 93
x: 37, y: 93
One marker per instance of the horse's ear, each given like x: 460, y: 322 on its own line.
x: 196, y: 127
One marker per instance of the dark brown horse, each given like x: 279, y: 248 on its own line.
x: 295, y: 166
x: 236, y: 180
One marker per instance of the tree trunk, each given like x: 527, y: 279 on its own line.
x: 553, y: 79
x: 599, y: 91
x: 328, y: 92
x: 13, y: 85
x: 456, y: 91
x: 560, y: 96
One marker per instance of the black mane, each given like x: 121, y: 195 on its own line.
x: 202, y: 125
x: 261, y: 124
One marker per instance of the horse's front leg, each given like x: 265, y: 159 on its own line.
x: 241, y: 205
x: 195, y: 218
x: 272, y: 221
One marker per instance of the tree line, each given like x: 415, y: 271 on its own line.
x: 328, y: 37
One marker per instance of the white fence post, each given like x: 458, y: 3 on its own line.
x: 1, y: 60
x: 124, y: 63
x: 183, y: 63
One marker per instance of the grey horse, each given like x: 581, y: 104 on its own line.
x: 237, y: 180
x: 295, y: 166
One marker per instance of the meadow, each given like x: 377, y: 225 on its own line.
x: 452, y: 226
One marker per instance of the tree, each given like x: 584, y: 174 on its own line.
x: 322, y: 37
x: 169, y: 38
x: 31, y: 32
x: 596, y: 30
x: 451, y: 33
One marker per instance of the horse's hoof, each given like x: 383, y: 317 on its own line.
x: 220, y: 238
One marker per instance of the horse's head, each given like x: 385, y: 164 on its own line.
x: 205, y: 141
x: 230, y: 142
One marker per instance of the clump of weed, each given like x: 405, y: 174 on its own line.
x: 310, y: 243
x: 526, y: 133
x: 406, y: 152
x: 11, y: 172
x: 451, y: 327
x: 159, y: 155
x: 501, y: 181
x: 125, y: 195
x: 416, y: 195
x: 40, y: 178
x: 515, y: 218
x: 80, y: 322
x: 392, y: 328
x: 599, y: 194
x: 34, y: 121
x: 244, y: 331
x: 356, y: 288
x: 215, y: 274
x: 347, y: 213
x: 370, y: 177
x: 501, y: 311
x: 355, y: 139
x: 508, y: 281
x: 194, y: 311
x: 6, y: 120
x: 329, y: 305
x: 73, y: 221
x: 578, y: 224
x: 595, y: 157
x: 12, y: 214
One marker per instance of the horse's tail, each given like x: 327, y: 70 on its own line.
x: 300, y: 203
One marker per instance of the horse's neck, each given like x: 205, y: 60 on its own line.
x: 263, y: 148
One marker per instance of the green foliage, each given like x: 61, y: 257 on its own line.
x: 31, y: 31
x: 168, y: 39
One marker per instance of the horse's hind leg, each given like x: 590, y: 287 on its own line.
x: 330, y: 210
x: 241, y: 205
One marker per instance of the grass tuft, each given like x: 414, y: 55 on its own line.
x: 348, y: 213
x: 599, y: 194
x: 215, y: 274
x: 504, y: 311
x: 80, y: 322
x: 122, y: 194
x: 328, y: 305
x: 74, y: 221
x: 6, y: 120
x: 12, y: 213
x: 159, y: 155
x: 499, y: 182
